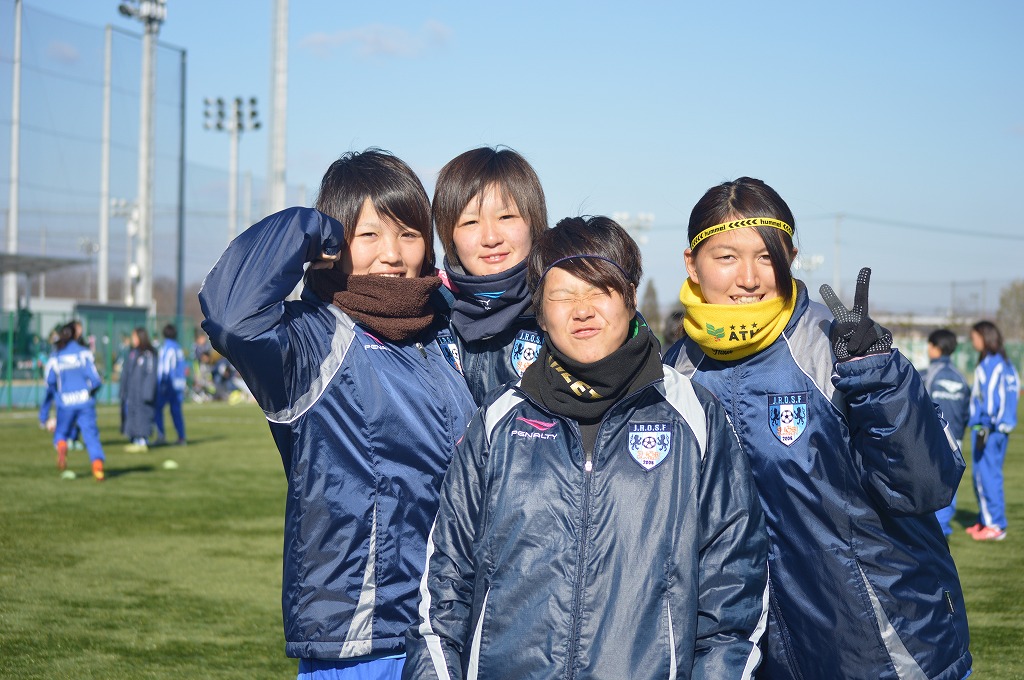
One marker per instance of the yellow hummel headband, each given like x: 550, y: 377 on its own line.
x: 740, y: 224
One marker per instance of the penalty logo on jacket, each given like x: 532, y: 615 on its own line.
x: 787, y: 416
x: 649, y: 443
x: 525, y: 350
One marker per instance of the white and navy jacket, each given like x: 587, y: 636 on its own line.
x: 171, y: 366
x: 851, y: 461
x: 947, y: 388
x: 365, y: 428
x: 994, y: 395
x: 71, y: 378
x: 648, y: 562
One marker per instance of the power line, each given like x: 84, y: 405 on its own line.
x: 917, y: 227
x: 878, y: 220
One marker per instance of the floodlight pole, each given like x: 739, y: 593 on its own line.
x: 104, y: 252
x: 278, y: 108
x: 129, y: 209
x: 243, y: 117
x: 152, y: 14
x: 11, y: 280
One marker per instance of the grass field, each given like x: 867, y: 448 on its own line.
x: 176, y: 573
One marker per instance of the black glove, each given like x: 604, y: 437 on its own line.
x: 853, y: 333
x: 980, y: 435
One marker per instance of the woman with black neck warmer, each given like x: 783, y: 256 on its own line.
x: 364, y: 400
x: 850, y: 457
x: 489, y: 208
x: 599, y: 519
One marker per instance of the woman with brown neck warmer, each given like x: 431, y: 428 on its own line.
x: 599, y: 519
x: 364, y: 398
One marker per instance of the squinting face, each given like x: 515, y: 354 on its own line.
x: 382, y: 247
x: 490, y: 235
x: 584, y: 323
x: 733, y: 268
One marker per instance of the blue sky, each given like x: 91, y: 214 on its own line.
x: 907, y: 117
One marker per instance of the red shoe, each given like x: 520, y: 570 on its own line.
x: 62, y: 455
x: 97, y: 471
x: 975, y: 529
x: 989, y: 534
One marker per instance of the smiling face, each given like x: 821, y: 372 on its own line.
x: 733, y: 268
x: 490, y: 235
x: 582, y: 321
x: 381, y: 247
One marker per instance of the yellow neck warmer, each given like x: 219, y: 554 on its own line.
x: 730, y: 332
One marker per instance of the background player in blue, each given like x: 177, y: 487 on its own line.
x: 72, y: 378
x: 947, y: 388
x: 994, y: 398
x: 361, y: 399
x: 489, y: 208
x: 170, y: 384
x: 850, y: 457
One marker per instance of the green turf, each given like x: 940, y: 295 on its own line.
x: 154, y: 573
x: 177, y: 573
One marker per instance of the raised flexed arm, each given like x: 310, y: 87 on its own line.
x: 853, y: 333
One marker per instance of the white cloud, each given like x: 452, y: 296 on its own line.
x: 65, y: 53
x: 378, y: 40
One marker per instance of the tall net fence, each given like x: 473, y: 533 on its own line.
x: 61, y: 146
x: 59, y: 183
x: 61, y: 138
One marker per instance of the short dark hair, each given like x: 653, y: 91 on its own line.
x: 991, y: 339
x: 65, y: 334
x: 465, y: 177
x: 392, y: 187
x: 170, y: 332
x: 597, y: 236
x: 943, y: 339
x: 749, y: 197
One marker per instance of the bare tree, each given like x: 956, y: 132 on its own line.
x: 1010, y: 317
x: 650, y: 309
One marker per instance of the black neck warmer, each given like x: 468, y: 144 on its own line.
x: 585, y: 392
x: 487, y: 305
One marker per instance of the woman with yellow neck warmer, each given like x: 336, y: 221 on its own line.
x: 849, y: 455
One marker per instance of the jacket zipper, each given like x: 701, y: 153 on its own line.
x: 577, y: 596
x: 443, y: 395
x: 588, y: 471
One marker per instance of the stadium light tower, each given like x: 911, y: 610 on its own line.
x: 637, y: 226
x: 244, y: 116
x: 152, y: 14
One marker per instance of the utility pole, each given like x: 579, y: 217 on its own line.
x: 835, y: 265
x: 244, y: 116
x: 152, y: 14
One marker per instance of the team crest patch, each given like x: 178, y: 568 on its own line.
x: 525, y: 350
x: 649, y: 443
x: 449, y: 350
x: 787, y: 416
